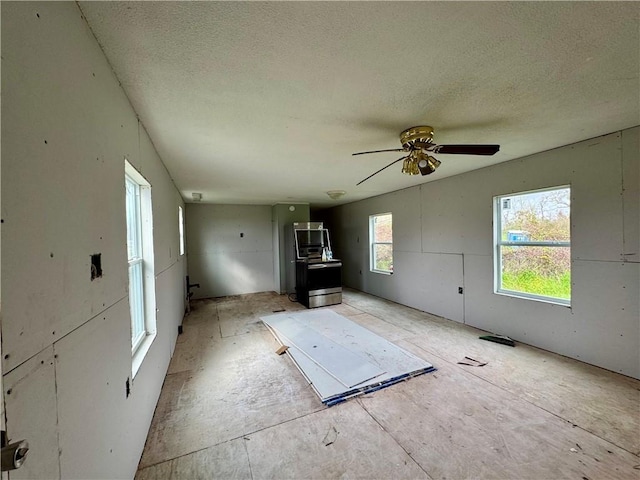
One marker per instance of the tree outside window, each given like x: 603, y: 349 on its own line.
x: 533, y: 244
x: 381, y: 237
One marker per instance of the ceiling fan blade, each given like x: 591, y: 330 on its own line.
x: 467, y: 149
x: 375, y: 173
x: 378, y: 151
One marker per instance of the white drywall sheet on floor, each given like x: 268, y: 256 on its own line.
x: 341, y: 363
x: 365, y: 347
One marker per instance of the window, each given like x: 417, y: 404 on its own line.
x: 140, y: 259
x: 181, y: 229
x: 381, y: 237
x: 533, y: 244
x: 134, y: 249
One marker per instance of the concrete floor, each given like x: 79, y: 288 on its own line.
x: 231, y: 408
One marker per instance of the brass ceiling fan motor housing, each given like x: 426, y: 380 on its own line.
x: 413, y: 135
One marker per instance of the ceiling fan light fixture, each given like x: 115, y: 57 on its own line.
x: 410, y: 164
x: 336, y: 194
x: 405, y: 166
x: 414, y: 167
x: 428, y: 164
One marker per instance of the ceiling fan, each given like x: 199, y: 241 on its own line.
x: 417, y: 143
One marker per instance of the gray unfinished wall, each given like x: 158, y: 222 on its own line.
x: 230, y: 249
x: 284, y: 271
x: 443, y: 240
x: 67, y: 127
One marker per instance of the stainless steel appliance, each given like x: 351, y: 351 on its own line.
x: 319, y: 284
x: 318, y: 275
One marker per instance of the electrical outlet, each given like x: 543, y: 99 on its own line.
x: 460, y: 290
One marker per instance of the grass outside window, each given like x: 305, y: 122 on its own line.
x: 533, y: 248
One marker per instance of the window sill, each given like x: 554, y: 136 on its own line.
x: 381, y: 272
x: 141, y: 353
x: 535, y: 298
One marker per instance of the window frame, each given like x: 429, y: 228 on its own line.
x: 498, y: 243
x: 135, y: 262
x: 141, y: 259
x: 181, y: 242
x: 373, y: 243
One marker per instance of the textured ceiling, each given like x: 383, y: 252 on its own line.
x: 251, y: 102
